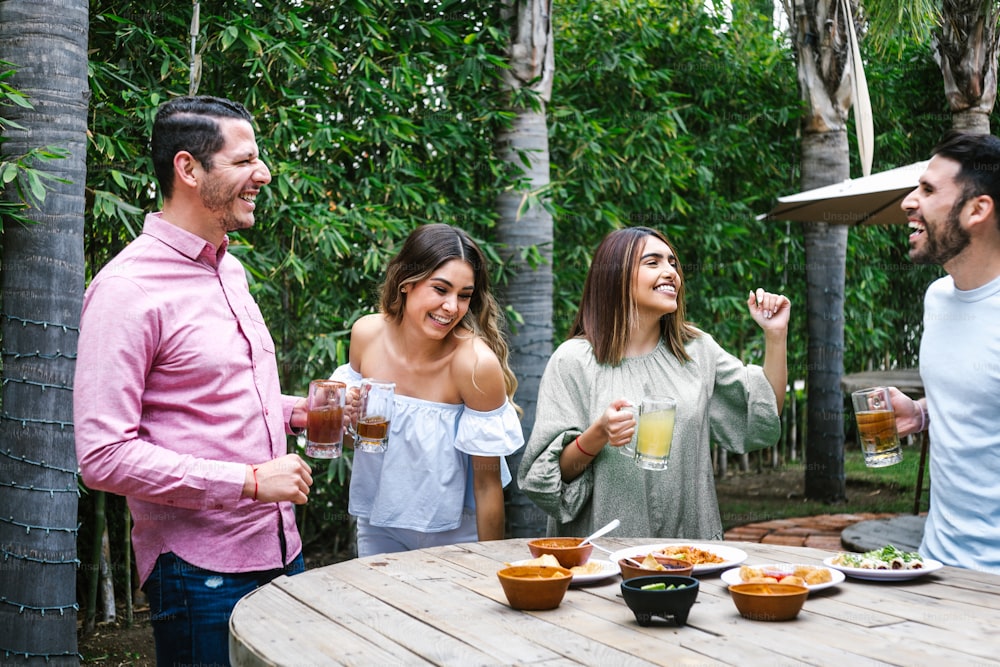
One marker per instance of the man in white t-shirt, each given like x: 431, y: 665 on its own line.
x: 954, y: 216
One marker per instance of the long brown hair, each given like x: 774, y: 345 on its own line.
x: 425, y: 249
x: 607, y: 307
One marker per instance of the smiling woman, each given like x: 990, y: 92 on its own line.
x: 438, y: 337
x: 630, y: 340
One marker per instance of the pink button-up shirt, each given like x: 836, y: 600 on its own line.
x: 176, y: 391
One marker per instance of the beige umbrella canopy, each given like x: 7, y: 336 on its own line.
x: 869, y: 200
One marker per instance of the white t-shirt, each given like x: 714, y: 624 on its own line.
x: 960, y: 368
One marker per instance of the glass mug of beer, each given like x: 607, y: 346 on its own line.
x: 325, y: 419
x: 376, y: 404
x: 655, y: 432
x: 876, y: 427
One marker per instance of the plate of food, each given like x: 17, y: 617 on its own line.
x: 706, y: 558
x: 885, y: 564
x: 591, y: 571
x: 813, y: 577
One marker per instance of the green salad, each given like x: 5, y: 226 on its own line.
x: 886, y: 558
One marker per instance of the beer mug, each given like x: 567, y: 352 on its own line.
x: 877, y: 427
x: 376, y: 404
x: 325, y: 419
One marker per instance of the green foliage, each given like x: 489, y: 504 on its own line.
x: 665, y: 116
x: 874, y: 490
x: 884, y: 289
x: 374, y: 117
x: 378, y: 115
x: 20, y: 173
x: 892, y: 24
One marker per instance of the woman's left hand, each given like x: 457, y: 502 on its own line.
x: 770, y: 311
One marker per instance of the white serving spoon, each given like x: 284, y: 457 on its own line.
x: 601, y: 531
x: 609, y: 552
x: 607, y: 529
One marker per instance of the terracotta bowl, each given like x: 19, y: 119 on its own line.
x: 665, y: 602
x: 567, y: 550
x: 674, y: 566
x: 768, y: 602
x: 534, y: 587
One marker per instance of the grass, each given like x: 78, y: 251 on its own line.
x: 771, y: 494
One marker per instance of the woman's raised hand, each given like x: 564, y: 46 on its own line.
x: 770, y: 311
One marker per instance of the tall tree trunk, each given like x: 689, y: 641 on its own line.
x: 42, y: 290
x: 826, y: 259
x: 824, y: 70
x: 967, y: 49
x: 525, y: 226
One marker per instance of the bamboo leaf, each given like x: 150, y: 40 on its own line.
x: 35, y: 184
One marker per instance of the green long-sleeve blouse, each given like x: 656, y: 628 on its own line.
x: 719, y: 399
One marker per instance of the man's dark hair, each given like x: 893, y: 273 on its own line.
x: 979, y: 157
x: 189, y: 124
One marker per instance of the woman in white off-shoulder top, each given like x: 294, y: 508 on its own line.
x: 441, y: 478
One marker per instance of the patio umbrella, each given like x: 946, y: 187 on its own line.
x: 869, y: 200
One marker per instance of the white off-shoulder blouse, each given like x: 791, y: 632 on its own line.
x: 424, y: 478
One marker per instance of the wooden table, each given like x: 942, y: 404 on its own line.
x: 444, y: 606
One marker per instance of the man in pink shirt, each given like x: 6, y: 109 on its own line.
x: 176, y: 398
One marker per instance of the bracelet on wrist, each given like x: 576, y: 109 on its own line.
x: 577, y: 441
x: 923, y: 417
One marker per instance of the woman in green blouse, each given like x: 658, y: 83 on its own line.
x: 631, y: 339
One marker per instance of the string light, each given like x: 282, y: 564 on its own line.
x: 7, y: 555
x: 65, y: 654
x: 41, y: 464
x: 41, y: 323
x: 71, y: 487
x: 24, y: 421
x: 48, y: 529
x: 21, y: 487
x: 58, y: 354
x: 41, y: 610
x: 43, y: 385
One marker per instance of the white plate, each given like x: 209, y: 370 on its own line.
x: 730, y: 555
x: 608, y: 569
x: 733, y: 576
x: 930, y: 565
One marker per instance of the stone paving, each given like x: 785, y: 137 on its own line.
x: 820, y: 532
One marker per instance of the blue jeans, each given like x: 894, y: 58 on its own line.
x: 190, y: 608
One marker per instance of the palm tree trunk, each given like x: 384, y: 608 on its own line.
x: 525, y: 227
x: 971, y: 121
x: 967, y: 48
x: 824, y: 70
x: 42, y: 290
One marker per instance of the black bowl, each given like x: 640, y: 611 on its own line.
x: 664, y: 603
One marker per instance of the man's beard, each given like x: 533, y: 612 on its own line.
x: 946, y: 241
x: 217, y: 200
